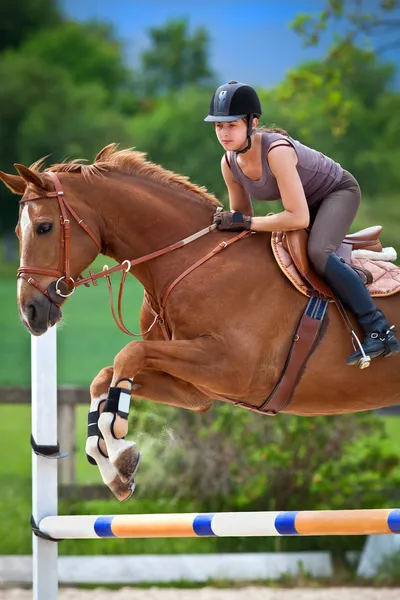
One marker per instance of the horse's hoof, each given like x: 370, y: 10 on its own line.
x: 132, y: 488
x: 133, y: 478
x: 126, y: 462
x: 120, y: 490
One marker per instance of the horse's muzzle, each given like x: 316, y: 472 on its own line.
x: 39, y: 314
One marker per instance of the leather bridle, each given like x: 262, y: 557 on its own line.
x: 63, y: 273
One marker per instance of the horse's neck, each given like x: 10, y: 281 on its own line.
x: 142, y: 216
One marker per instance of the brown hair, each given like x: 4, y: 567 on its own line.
x: 271, y: 130
x: 267, y: 129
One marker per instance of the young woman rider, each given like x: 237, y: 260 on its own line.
x: 316, y: 193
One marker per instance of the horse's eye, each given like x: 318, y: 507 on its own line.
x: 44, y: 228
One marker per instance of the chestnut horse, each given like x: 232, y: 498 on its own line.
x: 230, y: 320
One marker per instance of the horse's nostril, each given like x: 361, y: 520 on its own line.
x: 31, y: 312
x: 35, y: 315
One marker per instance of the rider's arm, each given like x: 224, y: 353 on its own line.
x: 282, y: 162
x: 239, y: 199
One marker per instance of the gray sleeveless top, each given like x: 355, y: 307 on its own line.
x: 318, y: 173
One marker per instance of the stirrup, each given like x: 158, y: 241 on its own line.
x: 365, y: 360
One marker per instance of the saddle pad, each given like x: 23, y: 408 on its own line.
x: 386, y: 275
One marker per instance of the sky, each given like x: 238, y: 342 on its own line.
x: 250, y: 41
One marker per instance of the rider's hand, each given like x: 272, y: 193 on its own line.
x: 231, y: 221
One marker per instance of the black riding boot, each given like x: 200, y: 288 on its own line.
x: 346, y: 284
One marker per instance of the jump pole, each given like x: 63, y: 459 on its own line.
x: 229, y: 524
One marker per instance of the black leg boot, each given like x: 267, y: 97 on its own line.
x: 346, y: 284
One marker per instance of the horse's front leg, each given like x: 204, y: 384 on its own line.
x: 154, y: 386
x: 189, y: 363
x: 96, y: 450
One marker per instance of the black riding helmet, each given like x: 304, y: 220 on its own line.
x: 233, y: 101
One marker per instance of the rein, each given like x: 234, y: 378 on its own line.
x: 57, y: 294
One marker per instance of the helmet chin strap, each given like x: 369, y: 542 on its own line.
x: 249, y: 134
x: 247, y: 147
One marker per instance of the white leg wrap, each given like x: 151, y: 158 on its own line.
x: 107, y: 470
x: 118, y: 403
x: 115, y: 447
x: 109, y: 473
x: 94, y: 414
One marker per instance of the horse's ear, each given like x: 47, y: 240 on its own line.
x: 30, y: 176
x: 15, y: 183
x: 106, y: 152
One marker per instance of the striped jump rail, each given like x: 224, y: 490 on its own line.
x: 229, y: 524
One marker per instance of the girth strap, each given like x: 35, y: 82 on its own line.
x: 303, y: 343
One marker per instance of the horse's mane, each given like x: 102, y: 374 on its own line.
x: 129, y: 162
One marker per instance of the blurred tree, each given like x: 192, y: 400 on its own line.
x: 175, y: 135
x: 378, y: 18
x: 332, y: 87
x: 43, y: 111
x: 22, y: 19
x: 348, y: 73
x: 346, y: 93
x: 87, y: 51
x: 65, y: 92
x: 340, y: 106
x: 347, y: 66
x: 175, y: 58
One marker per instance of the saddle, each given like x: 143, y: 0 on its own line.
x: 362, y: 250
